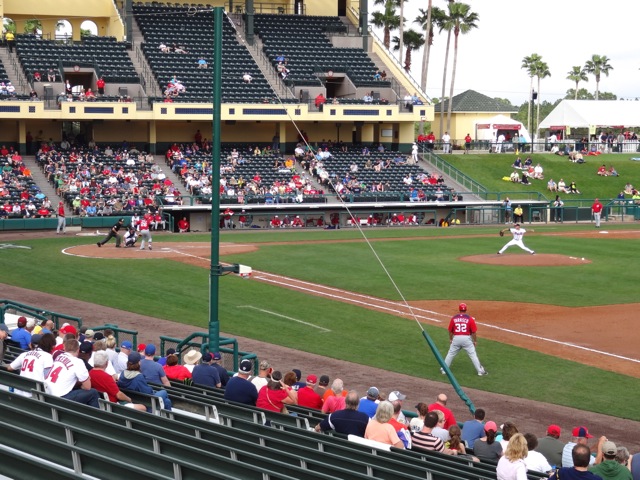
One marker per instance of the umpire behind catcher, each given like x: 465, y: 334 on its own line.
x: 462, y: 335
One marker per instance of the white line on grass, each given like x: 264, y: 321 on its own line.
x: 352, y: 294
x: 377, y: 306
x: 324, y: 330
x: 567, y: 344
x: 189, y: 255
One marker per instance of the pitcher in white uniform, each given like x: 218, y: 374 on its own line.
x: 518, y: 234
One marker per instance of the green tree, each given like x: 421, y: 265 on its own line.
x: 608, y: 96
x: 582, y: 94
x: 412, y: 41
x: 577, y: 75
x: 529, y: 64
x: 9, y: 25
x: 598, y: 65
x: 387, y: 19
x: 462, y: 21
x: 33, y: 26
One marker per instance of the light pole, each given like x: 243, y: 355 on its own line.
x: 534, y: 96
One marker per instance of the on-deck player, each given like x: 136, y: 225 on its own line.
x: 517, y: 233
x: 462, y: 335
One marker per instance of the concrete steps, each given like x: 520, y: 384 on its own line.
x: 14, y: 71
x: 41, y: 180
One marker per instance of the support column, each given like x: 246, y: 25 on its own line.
x: 249, y: 31
x: 22, y: 137
x: 152, y: 134
x: 364, y: 24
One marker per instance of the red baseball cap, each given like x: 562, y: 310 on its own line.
x: 312, y: 379
x: 69, y: 329
x: 582, y: 432
x: 554, y: 430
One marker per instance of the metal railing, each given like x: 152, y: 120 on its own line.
x: 452, y: 172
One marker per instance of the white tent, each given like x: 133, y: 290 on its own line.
x: 593, y: 114
x: 488, y: 129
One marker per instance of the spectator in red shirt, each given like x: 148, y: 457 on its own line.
x: 307, y: 396
x: 100, y: 84
x: 104, y: 383
x: 440, y: 404
x: 175, y: 371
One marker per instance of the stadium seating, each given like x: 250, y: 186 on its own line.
x: 18, y: 189
x: 105, y: 54
x: 176, y: 26
x: 157, y: 446
x: 304, y: 43
x: 128, y: 185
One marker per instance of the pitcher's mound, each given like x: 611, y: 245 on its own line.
x: 527, y: 260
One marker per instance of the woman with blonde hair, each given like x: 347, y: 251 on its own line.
x: 379, y: 428
x: 511, y: 465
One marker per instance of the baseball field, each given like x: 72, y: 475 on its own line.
x: 557, y: 327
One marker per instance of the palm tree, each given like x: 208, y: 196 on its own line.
x: 412, y: 41
x: 598, y: 65
x: 445, y: 25
x: 463, y: 20
x: 541, y: 71
x: 401, y: 29
x: 528, y: 63
x: 577, y: 74
x: 429, y: 19
x: 387, y: 20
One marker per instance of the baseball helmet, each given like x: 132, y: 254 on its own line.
x: 462, y: 307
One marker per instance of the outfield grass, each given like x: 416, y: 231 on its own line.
x: 489, y: 169
x: 423, y: 268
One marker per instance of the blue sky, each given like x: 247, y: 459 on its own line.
x: 564, y: 32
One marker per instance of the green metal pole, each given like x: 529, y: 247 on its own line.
x: 214, y: 272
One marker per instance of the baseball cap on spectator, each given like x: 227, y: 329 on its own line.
x: 35, y: 338
x: 86, y: 347
x: 31, y: 323
x: 490, y: 426
x: 142, y: 347
x: 207, y: 357
x: 217, y: 356
x: 324, y: 380
x: 554, y: 430
x: 171, y: 351
x: 126, y: 344
x: 298, y: 373
x: 264, y: 365
x: 396, y: 395
x: 582, y: 432
x: 373, y: 392
x: 609, y: 448
x: 22, y: 322
x: 312, y: 379
x: 98, y: 336
x: 134, y: 357
x: 4, y: 328
x: 68, y: 329
x: 150, y: 349
x: 245, y: 366
x: 89, y: 334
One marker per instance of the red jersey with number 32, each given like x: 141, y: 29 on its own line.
x: 462, y: 324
